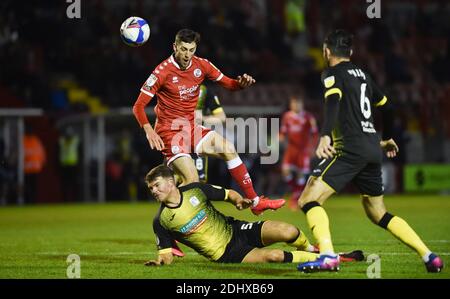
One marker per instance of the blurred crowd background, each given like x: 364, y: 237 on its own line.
x: 71, y: 67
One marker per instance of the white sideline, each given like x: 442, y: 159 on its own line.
x: 194, y: 253
x: 150, y: 252
x: 107, y: 253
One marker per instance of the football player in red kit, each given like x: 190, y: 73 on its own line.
x: 176, y: 83
x: 300, y: 129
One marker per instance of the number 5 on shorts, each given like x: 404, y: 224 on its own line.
x: 246, y: 226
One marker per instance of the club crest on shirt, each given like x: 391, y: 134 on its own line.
x: 197, y: 73
x: 329, y: 81
x: 194, y: 201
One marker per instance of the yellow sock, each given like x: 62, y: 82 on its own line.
x: 318, y: 222
x: 402, y: 231
x: 303, y: 256
x: 301, y: 243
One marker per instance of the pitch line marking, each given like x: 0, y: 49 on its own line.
x: 107, y: 253
x: 194, y: 253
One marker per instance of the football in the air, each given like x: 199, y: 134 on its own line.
x: 135, y: 31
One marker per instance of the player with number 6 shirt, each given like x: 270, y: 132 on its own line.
x: 351, y: 151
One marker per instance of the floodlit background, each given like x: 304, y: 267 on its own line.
x: 77, y: 75
x: 62, y: 76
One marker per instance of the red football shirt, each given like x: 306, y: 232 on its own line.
x: 177, y: 90
x: 300, y: 129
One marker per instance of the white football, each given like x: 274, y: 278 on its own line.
x: 135, y: 31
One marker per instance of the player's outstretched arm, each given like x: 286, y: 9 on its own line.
x: 163, y: 259
x: 245, y: 81
x: 236, y: 199
x: 239, y: 83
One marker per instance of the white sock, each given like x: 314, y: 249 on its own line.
x: 330, y: 253
x: 233, y: 163
x: 426, y: 257
x: 255, y: 201
x: 310, y: 248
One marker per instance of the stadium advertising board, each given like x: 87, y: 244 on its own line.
x: 426, y: 177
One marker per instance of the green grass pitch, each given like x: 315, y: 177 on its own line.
x: 114, y: 240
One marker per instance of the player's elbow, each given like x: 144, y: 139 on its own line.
x: 135, y: 110
x: 289, y: 232
x: 142, y: 101
x: 139, y: 113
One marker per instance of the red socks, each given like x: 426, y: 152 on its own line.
x: 240, y: 175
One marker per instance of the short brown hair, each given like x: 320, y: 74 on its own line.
x: 340, y: 43
x: 187, y: 36
x: 159, y: 171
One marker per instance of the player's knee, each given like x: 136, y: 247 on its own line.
x: 289, y: 232
x: 274, y: 256
x: 315, y: 191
